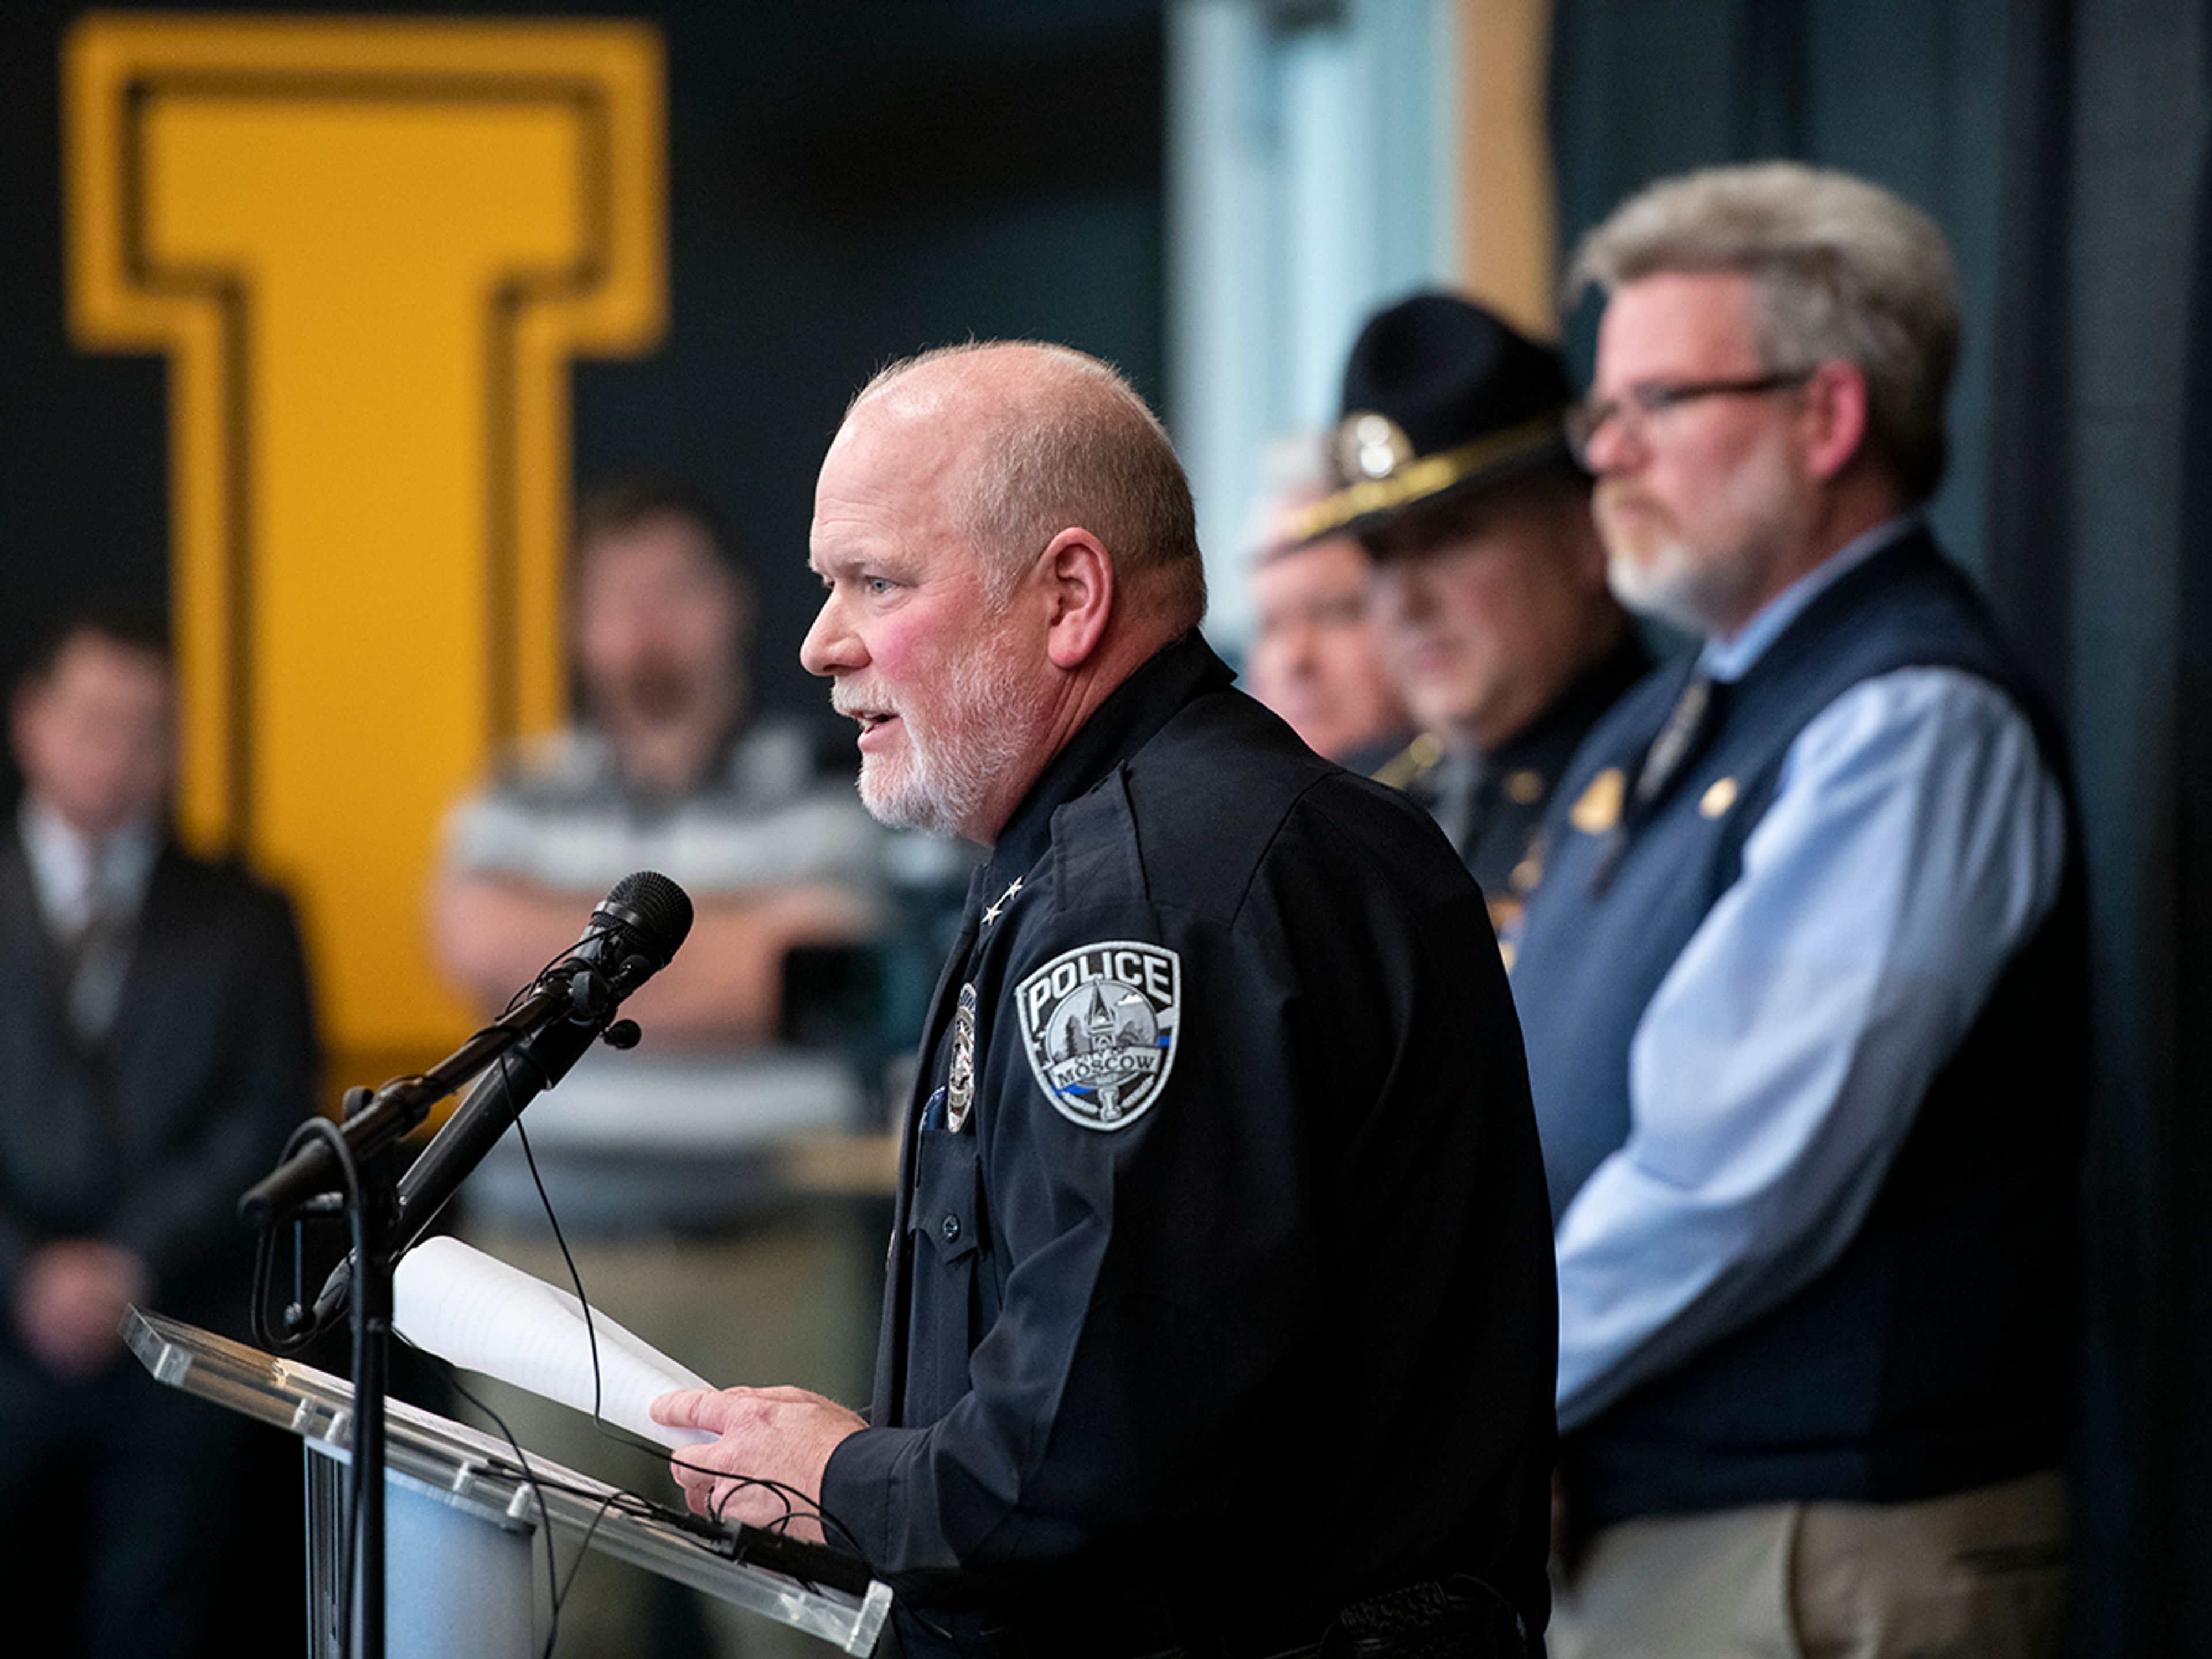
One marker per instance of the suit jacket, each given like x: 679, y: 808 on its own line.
x: 147, y: 1139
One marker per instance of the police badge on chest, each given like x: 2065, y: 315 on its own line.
x: 1099, y: 1024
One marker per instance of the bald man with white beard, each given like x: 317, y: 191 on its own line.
x: 1221, y: 1156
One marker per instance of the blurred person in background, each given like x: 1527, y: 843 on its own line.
x: 1488, y: 593
x: 156, y: 1046
x: 1804, y: 981
x: 664, y: 1164
x: 1314, y: 659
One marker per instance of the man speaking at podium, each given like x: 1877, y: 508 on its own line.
x: 1219, y: 1317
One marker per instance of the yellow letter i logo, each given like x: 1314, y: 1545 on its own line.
x: 368, y: 250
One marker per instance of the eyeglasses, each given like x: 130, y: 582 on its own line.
x: 1648, y: 400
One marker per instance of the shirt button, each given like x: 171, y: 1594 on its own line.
x: 950, y: 1227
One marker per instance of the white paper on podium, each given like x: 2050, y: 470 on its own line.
x: 475, y: 1311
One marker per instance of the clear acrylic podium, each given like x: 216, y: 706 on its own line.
x: 462, y: 1518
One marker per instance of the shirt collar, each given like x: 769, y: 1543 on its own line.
x: 1731, y: 659
x: 1178, y: 672
x: 71, y: 872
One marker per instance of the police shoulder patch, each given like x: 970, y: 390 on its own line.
x: 1099, y: 1023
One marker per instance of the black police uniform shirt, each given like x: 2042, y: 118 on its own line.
x: 1220, y: 1288
x: 1493, y: 806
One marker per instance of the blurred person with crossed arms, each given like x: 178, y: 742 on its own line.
x: 665, y: 1165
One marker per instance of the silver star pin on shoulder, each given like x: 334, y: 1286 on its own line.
x: 1001, y: 902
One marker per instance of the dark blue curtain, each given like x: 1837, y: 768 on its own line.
x: 2187, y: 1009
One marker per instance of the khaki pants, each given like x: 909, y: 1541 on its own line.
x: 1978, y: 1575
x: 792, y: 1303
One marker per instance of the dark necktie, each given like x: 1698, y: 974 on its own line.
x: 1460, y: 804
x: 1688, y: 725
x: 94, y: 958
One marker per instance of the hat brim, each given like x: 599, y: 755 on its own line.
x: 1373, y: 502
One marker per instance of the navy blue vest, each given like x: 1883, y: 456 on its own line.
x: 1934, y: 1353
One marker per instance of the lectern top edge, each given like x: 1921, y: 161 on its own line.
x: 477, y: 1473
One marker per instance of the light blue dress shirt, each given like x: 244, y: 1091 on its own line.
x: 1915, y: 840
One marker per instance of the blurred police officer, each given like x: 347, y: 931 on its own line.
x: 1219, y: 1310
x: 1489, y: 595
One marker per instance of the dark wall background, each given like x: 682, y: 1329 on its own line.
x: 849, y: 180
x: 2063, y: 143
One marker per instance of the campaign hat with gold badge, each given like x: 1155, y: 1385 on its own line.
x: 1440, y: 399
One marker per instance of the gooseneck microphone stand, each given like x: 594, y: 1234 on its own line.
x: 348, y: 1166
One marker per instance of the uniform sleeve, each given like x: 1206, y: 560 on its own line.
x: 1914, y: 842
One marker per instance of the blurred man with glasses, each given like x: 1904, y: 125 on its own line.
x: 1803, y: 978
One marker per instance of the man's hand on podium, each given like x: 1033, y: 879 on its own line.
x: 784, y: 1435
x: 70, y: 1300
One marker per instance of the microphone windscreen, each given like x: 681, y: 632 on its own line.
x: 662, y: 910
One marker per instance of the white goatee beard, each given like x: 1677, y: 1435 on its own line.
x: 1705, y: 593
x: 1660, y: 581
x: 939, y: 784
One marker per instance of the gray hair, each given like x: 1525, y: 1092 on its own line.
x: 1843, y: 270
x: 1076, y: 446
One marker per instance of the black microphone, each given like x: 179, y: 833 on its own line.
x: 633, y: 933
